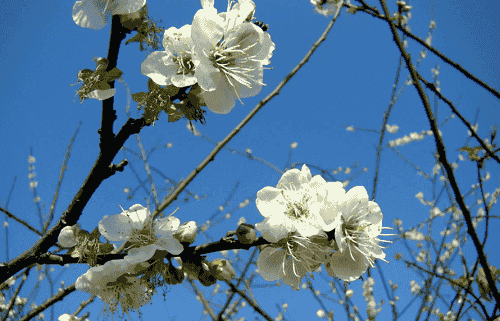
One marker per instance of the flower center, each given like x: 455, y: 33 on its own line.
x: 185, y: 63
x: 296, y: 209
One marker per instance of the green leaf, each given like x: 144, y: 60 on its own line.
x: 95, y: 234
x: 140, y: 98
x: 113, y: 74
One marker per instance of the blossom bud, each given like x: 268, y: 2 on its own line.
x: 175, y: 275
x: 205, y: 277
x: 187, y: 232
x: 69, y: 235
x: 222, y: 269
x: 246, y: 233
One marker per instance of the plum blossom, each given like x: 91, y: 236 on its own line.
x: 356, y: 239
x: 298, y: 213
x: 327, y: 7
x: 114, y: 284
x: 299, y: 203
x: 135, y: 228
x: 94, y: 14
x: 230, y: 53
x: 174, y: 65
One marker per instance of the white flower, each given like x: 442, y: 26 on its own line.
x: 113, y: 284
x: 94, y: 14
x: 357, y: 237
x: 299, y: 203
x: 174, y: 65
x: 230, y: 53
x: 144, y: 236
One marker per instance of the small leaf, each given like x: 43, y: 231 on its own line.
x: 95, y: 234
x: 113, y: 74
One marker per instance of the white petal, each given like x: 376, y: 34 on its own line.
x: 270, y: 262
x: 275, y: 228
x: 141, y: 254
x: 270, y: 201
x: 183, y: 80
x: 294, y: 272
x: 89, y: 14
x: 207, y: 28
x: 221, y: 100
x: 171, y: 245
x: 102, y: 94
x: 116, y: 227
x: 166, y: 225
x: 128, y: 6
x: 155, y: 68
x: 344, y: 267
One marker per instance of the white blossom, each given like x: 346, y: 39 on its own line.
x: 114, y: 284
x: 135, y: 226
x: 356, y: 240
x: 230, y: 53
x: 174, y: 65
x: 94, y: 14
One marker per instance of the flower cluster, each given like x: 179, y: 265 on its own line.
x: 224, y: 53
x: 310, y: 222
x: 134, y: 230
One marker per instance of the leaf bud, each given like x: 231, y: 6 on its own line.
x: 246, y: 233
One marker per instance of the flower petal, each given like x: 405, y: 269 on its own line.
x: 270, y: 262
x: 270, y: 201
x: 89, y: 14
x: 274, y: 228
x: 127, y: 6
x: 101, y: 94
x: 155, y: 68
x: 116, y: 227
x: 345, y: 268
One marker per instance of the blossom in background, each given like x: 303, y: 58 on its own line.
x: 114, y: 284
x: 356, y: 239
x: 175, y: 64
x: 94, y: 14
x: 69, y: 317
x: 327, y: 7
x: 230, y: 53
x: 136, y: 228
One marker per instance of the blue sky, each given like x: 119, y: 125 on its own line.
x: 347, y: 82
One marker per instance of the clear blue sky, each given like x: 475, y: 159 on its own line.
x: 347, y: 82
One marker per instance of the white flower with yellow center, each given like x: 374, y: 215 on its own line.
x: 134, y: 229
x: 114, y: 284
x: 356, y: 239
x: 94, y: 14
x: 230, y: 53
x: 175, y: 64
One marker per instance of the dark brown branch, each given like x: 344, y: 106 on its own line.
x: 442, y: 158
x: 433, y: 50
x: 253, y: 304
x: 456, y: 112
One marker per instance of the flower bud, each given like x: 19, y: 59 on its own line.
x: 70, y: 235
x: 246, y: 233
x: 222, y: 269
x: 205, y: 277
x: 187, y: 232
x: 175, y: 275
